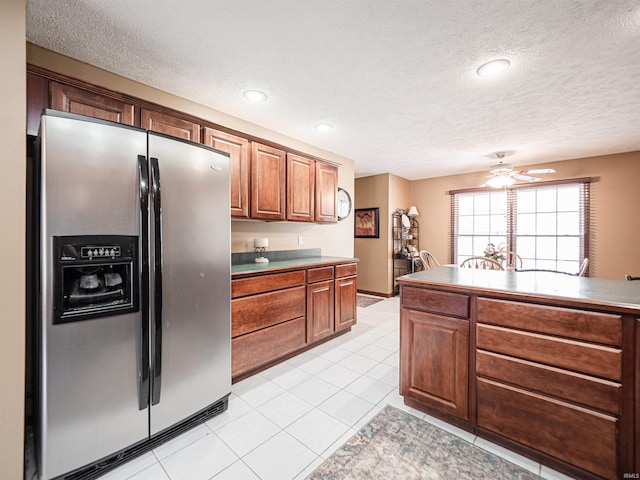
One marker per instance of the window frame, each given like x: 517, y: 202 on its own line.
x: 584, y: 182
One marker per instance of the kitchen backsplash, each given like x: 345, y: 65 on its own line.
x: 242, y: 258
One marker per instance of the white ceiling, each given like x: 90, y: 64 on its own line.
x: 396, y: 77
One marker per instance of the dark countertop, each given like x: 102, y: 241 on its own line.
x: 249, y: 269
x: 619, y: 295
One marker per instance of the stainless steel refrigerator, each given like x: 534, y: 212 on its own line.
x: 132, y: 285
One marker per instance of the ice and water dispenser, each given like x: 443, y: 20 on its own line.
x: 95, y: 276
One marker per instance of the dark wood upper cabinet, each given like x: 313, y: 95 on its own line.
x: 240, y: 167
x: 84, y: 102
x: 37, y: 100
x: 326, y: 192
x: 169, y: 125
x: 301, y: 187
x: 268, y: 182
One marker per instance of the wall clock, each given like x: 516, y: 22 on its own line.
x: 344, y: 204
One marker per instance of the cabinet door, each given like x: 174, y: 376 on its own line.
x: 37, y: 100
x: 301, y: 188
x: 326, y: 192
x: 268, y: 182
x: 169, y: 125
x: 434, y: 361
x: 346, y: 303
x: 238, y: 148
x: 75, y: 100
x: 319, y: 310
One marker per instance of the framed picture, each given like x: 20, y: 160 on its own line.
x: 367, y: 223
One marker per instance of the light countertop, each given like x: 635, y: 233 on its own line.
x: 284, y: 265
x: 623, y: 295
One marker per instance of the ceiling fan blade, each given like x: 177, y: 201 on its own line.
x: 526, y: 178
x: 538, y: 171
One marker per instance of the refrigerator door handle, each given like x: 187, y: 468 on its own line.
x: 143, y: 379
x: 157, y: 298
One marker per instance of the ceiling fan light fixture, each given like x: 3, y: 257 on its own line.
x: 500, y: 181
x: 255, y: 96
x: 493, y: 67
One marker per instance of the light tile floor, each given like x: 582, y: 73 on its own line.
x: 284, y: 422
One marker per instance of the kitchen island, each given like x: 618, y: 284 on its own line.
x: 545, y: 364
x: 284, y: 307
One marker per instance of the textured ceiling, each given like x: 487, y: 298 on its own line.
x: 396, y: 77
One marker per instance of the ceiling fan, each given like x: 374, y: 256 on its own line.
x: 503, y: 175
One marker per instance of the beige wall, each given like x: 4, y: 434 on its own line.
x: 615, y: 210
x: 12, y: 237
x: 334, y: 239
x: 387, y: 192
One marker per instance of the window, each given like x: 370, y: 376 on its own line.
x: 546, y: 224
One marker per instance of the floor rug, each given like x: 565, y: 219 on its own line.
x: 364, y: 301
x: 395, y: 445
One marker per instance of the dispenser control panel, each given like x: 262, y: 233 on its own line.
x: 111, y: 251
x: 71, y: 252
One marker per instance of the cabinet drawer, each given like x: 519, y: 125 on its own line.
x: 435, y: 301
x: 346, y: 270
x: 266, y: 283
x: 575, y: 435
x: 266, y: 309
x: 582, y: 357
x: 319, y: 274
x: 574, y: 387
x: 566, y: 322
x: 258, y: 348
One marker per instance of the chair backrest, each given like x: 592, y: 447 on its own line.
x: 581, y: 272
x: 512, y: 259
x: 583, y: 267
x: 484, y: 263
x: 428, y: 260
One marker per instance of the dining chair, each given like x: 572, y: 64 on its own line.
x: 512, y: 260
x: 583, y: 267
x: 484, y: 263
x: 581, y: 272
x: 428, y: 260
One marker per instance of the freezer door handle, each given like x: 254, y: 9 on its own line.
x: 143, y: 382
x: 157, y: 297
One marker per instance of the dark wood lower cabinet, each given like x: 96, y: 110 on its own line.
x: 586, y: 439
x: 277, y: 315
x: 558, y: 381
x: 346, y: 302
x: 320, y: 310
x: 434, y: 361
x: 265, y: 345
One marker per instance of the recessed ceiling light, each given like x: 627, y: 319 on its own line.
x: 255, y: 95
x: 493, y: 67
x: 323, y: 127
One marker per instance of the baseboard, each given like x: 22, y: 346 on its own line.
x: 376, y: 294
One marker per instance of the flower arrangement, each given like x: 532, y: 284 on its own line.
x: 496, y: 253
